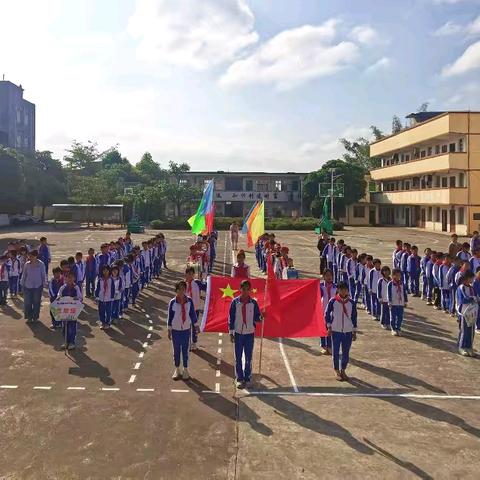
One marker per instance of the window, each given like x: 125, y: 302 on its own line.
x: 278, y: 185
x: 25, y: 120
x: 416, y: 182
x: 452, y: 147
x: 476, y: 216
x: 444, y: 182
x: 423, y: 154
x: 407, y: 157
x: 461, y: 216
x: 183, y: 182
x: 437, y: 149
x: 407, y: 186
x: 262, y: 187
x: 461, y: 179
x: 249, y: 185
x: 452, y: 182
x: 437, y: 181
x: 460, y: 145
x: 295, y: 186
x: 429, y: 216
x: 444, y: 148
x: 429, y: 151
x: 359, y: 212
x: 19, y: 116
x: 205, y: 183
x: 437, y: 214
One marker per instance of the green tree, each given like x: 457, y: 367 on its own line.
x: 357, y: 152
x: 149, y: 170
x: 83, y: 159
x: 112, y: 158
x: 12, y: 182
x: 91, y: 191
x: 177, y: 170
x: 179, y: 195
x: 352, y: 176
x: 396, y: 124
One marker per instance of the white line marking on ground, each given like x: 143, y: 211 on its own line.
x: 209, y: 391
x: 150, y: 327
x: 143, y: 310
x: 219, y: 361
x: 217, y: 388
x: 11, y: 387
x: 141, y: 354
x: 220, y: 341
x: 132, y: 378
x: 217, y: 373
x: 145, y: 389
x: 75, y: 388
x: 287, y: 366
x: 147, y: 315
x: 149, y: 335
x: 174, y: 390
x: 150, y: 321
x: 372, y: 395
x: 219, y: 350
x: 220, y: 334
x: 145, y: 345
x: 137, y: 366
x: 110, y: 389
x: 42, y: 388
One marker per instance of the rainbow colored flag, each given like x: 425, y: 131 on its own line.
x: 245, y: 226
x: 256, y: 223
x: 203, y: 218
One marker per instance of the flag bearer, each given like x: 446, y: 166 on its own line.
x: 327, y: 291
x: 181, y: 317
x: 397, y: 299
x: 70, y: 289
x: 193, y: 291
x: 243, y: 317
x: 341, y: 317
x: 54, y: 286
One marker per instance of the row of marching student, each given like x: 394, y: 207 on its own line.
x: 449, y: 282
x: 113, y: 277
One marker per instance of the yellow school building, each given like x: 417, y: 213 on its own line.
x: 430, y: 173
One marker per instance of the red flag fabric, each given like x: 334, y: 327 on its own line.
x: 292, y: 308
x: 209, y: 218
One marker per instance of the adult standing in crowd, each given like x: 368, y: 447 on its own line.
x: 234, y: 235
x: 455, y: 246
x: 34, y: 278
x: 322, y: 243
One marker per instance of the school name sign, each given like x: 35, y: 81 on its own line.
x: 66, y: 309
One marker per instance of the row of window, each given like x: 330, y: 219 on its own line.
x: 425, y: 182
x: 19, y: 117
x: 236, y: 185
x: 460, y: 215
x: 418, y: 152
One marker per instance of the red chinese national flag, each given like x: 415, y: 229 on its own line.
x: 292, y: 309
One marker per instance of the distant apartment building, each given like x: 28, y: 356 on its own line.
x: 430, y: 173
x: 17, y: 118
x: 235, y: 192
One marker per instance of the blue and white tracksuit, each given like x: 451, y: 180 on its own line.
x: 105, y: 292
x: 404, y: 269
x: 81, y: 267
x: 127, y: 284
x: 476, y: 288
x: 359, y: 281
x: 350, y: 268
x: 464, y: 256
x: 44, y: 255
x: 414, y: 270
x: 396, y: 257
x: 117, y: 304
x: 3, y: 283
x: 193, y: 291
x: 452, y: 285
x: 91, y: 273
x: 341, y: 317
x: 145, y: 261
x: 430, y: 279
x: 465, y: 296
x: 367, y: 298
x: 327, y: 292
x: 382, y: 296
x: 397, y: 299
x: 53, y: 289
x: 69, y: 328
x: 14, y: 271
x: 444, y: 286
x: 374, y: 277
x: 474, y: 264
x: 423, y: 268
x: 242, y: 320
x: 181, y: 318
x: 102, y: 260
x: 328, y: 254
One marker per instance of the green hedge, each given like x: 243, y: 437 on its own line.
x: 223, y: 223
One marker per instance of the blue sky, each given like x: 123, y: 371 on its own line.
x: 236, y: 84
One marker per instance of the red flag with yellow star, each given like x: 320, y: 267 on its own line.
x: 291, y: 308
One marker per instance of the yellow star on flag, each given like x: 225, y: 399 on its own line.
x: 254, y: 290
x: 228, y: 291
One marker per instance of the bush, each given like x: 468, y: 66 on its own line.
x: 223, y: 223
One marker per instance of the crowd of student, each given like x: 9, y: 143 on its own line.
x: 447, y: 281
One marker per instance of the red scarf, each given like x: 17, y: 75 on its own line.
x: 184, y: 309
x: 343, y: 302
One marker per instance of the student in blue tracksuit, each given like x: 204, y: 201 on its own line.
x: 105, y: 294
x: 14, y: 270
x: 373, y: 278
x: 91, y: 273
x: 443, y: 283
x: 350, y: 269
x: 476, y: 289
x: 103, y: 258
x: 117, y: 309
x: 464, y: 253
x: 181, y: 318
x: 341, y: 317
x: 80, y: 264
x: 44, y: 253
x: 423, y: 268
x: 397, y: 254
x: 452, y: 285
x: 404, y: 266
x: 397, y: 300
x: 336, y: 262
x: 429, y: 264
x: 70, y: 289
x: 127, y: 271
x: 244, y: 314
x: 413, y: 270
x: 329, y: 252
x: 467, y: 310
x: 475, y: 260
x: 382, y: 295
x: 360, y: 271
x: 54, y: 286
x: 327, y: 291
x: 367, y: 300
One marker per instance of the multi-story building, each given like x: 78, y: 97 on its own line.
x: 235, y: 192
x: 17, y: 118
x: 430, y: 173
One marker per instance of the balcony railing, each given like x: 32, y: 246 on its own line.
x: 429, y: 196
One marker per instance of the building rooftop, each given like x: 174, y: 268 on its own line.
x: 420, y: 117
x: 223, y: 172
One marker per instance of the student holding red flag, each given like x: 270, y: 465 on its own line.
x: 243, y: 316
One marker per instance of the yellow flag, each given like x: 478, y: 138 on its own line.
x: 257, y: 226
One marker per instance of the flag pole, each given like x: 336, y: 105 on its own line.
x: 263, y: 326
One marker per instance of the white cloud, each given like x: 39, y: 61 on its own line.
x: 192, y: 33
x: 452, y: 28
x: 294, y: 57
x: 466, y: 97
x: 364, y: 34
x: 381, y: 64
x: 469, y: 60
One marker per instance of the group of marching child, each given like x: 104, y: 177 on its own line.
x: 447, y: 281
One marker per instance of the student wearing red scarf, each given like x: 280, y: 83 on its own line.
x: 243, y: 316
x: 241, y: 269
x: 341, y: 318
x: 328, y: 290
x: 194, y: 287
x: 181, y: 318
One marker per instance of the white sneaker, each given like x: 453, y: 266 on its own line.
x: 394, y: 333
x: 185, y: 375
x: 177, y: 374
x: 193, y: 347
